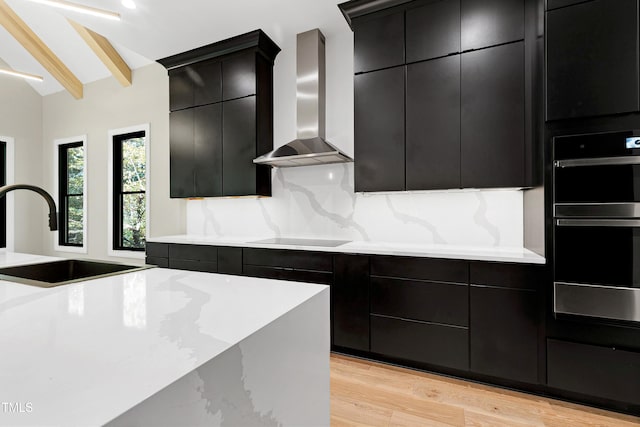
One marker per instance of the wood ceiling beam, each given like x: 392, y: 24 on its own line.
x: 106, y: 52
x: 36, y: 47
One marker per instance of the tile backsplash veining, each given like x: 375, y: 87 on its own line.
x: 319, y: 202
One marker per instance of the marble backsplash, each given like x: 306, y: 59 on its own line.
x: 319, y: 202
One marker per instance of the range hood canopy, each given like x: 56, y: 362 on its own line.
x: 310, y: 148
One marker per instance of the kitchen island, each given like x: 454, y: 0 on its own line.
x: 163, y: 347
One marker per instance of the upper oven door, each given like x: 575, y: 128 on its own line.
x: 597, y: 169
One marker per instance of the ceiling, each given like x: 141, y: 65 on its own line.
x: 158, y: 28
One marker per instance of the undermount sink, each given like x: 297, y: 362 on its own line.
x: 56, y: 273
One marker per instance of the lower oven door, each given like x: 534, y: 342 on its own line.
x: 597, y: 268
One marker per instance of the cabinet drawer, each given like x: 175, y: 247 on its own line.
x: 194, y: 252
x: 596, y: 371
x: 506, y: 275
x: 290, y: 274
x: 440, y: 270
x: 158, y: 250
x: 192, y: 265
x: 157, y: 261
x: 290, y: 259
x: 440, y: 345
x: 421, y: 300
x: 230, y: 261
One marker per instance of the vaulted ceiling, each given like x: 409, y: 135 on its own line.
x: 155, y: 29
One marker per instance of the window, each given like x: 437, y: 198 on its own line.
x: 71, y: 194
x: 129, y: 191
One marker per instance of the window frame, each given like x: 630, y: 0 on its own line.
x: 77, y: 140
x: 9, y: 179
x: 113, y: 194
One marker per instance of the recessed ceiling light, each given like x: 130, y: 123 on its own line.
x: 67, y: 5
x: 129, y: 4
x: 27, y: 76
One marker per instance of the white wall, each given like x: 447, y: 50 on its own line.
x: 319, y: 201
x: 107, y: 105
x: 21, y: 119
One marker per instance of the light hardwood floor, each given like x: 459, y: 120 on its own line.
x: 365, y: 393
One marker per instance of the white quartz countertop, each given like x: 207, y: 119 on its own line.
x: 499, y: 254
x: 84, y: 353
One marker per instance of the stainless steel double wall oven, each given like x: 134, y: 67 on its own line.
x: 596, y: 185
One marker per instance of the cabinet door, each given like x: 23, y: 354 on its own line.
x: 207, y: 82
x: 181, y: 153
x: 490, y: 22
x: 378, y: 41
x: 592, y: 59
x: 433, y: 30
x: 350, y: 302
x: 493, y: 108
x: 208, y: 150
x: 433, y: 124
x: 379, y: 130
x: 504, y: 332
x: 195, y: 84
x: 239, y: 147
x: 180, y: 89
x: 239, y: 76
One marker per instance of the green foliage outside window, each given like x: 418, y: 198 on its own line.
x: 134, y: 181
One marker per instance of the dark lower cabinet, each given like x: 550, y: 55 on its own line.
x: 194, y: 258
x: 430, y: 343
x: 505, y: 320
x: 157, y: 254
x: 379, y: 130
x: 433, y: 124
x: 299, y: 266
x: 604, y: 372
x: 230, y: 261
x: 504, y: 332
x: 493, y: 117
x: 592, y: 59
x: 350, y: 302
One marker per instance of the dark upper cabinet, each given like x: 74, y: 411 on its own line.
x: 505, y: 320
x: 467, y: 119
x: 221, y: 98
x: 493, y: 117
x: 433, y: 124
x: 592, y: 59
x: 433, y: 30
x: 208, y: 150
x: 181, y: 157
x: 379, y: 130
x: 350, y: 302
x: 238, y: 76
x: 195, y: 151
x: 195, y: 84
x: 239, y: 147
x: 491, y: 22
x: 379, y: 41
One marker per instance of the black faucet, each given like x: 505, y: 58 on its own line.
x: 53, y: 215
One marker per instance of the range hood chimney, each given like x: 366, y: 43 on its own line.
x: 310, y: 147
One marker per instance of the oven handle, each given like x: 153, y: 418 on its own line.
x: 599, y: 161
x: 598, y: 222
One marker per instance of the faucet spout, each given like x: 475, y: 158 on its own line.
x: 53, y: 215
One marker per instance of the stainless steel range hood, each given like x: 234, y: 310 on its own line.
x: 310, y: 148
